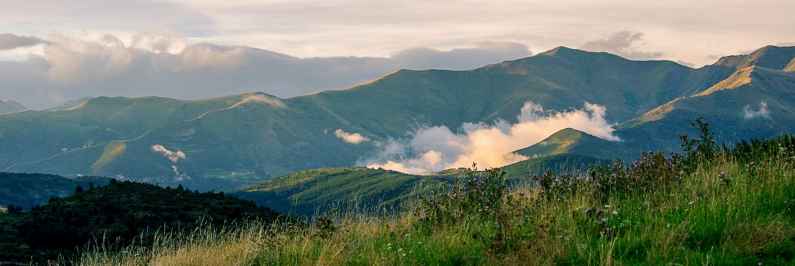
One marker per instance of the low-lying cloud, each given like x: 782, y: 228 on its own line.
x: 437, y: 148
x: 173, y: 156
x: 352, y: 138
x: 70, y: 68
x: 761, y: 112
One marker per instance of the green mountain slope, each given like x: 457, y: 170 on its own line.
x: 256, y: 136
x: 568, y: 164
x: 372, y: 190
x: 769, y: 57
x: 572, y: 142
x: 320, y: 190
x: 29, y: 190
x: 755, y: 101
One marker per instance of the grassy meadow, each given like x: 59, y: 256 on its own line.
x: 709, y: 205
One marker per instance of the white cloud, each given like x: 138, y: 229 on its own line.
x: 165, y: 65
x: 308, y: 28
x: 433, y: 149
x: 624, y: 43
x: 352, y: 138
x: 46, y: 16
x: 761, y: 112
x: 173, y: 156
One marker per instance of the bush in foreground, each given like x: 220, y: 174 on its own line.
x: 711, y: 205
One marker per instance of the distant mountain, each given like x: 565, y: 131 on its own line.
x: 361, y: 189
x: 320, y: 190
x: 259, y: 136
x: 772, y: 57
x: 29, y: 190
x: 250, y: 137
x: 563, y: 164
x: 568, y: 141
x: 8, y: 106
x: 755, y: 101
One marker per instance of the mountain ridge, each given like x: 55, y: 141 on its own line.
x: 237, y: 139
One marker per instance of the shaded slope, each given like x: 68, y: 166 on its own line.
x: 570, y: 141
x: 568, y: 164
x: 755, y: 102
x: 360, y: 189
x: 772, y: 57
x: 29, y: 190
x: 319, y: 190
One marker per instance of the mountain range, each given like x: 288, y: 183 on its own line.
x: 254, y: 136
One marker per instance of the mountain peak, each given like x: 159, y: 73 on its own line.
x: 564, y: 51
x: 558, y: 143
x: 791, y: 66
x: 773, y: 57
x: 261, y: 98
x: 742, y: 77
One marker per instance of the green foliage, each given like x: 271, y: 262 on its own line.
x: 710, y: 205
x: 735, y: 208
x: 478, y: 195
x: 124, y: 213
x: 653, y: 172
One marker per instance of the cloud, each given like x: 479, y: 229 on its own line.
x: 98, y: 15
x: 352, y: 138
x: 433, y: 149
x: 684, y: 29
x: 173, y: 156
x: 165, y: 65
x: 762, y: 112
x: 10, y: 41
x: 623, y: 43
x: 461, y: 58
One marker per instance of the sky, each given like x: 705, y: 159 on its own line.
x: 52, y: 51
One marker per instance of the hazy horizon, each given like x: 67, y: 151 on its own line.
x: 52, y: 52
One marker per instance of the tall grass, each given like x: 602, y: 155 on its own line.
x: 729, y: 207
